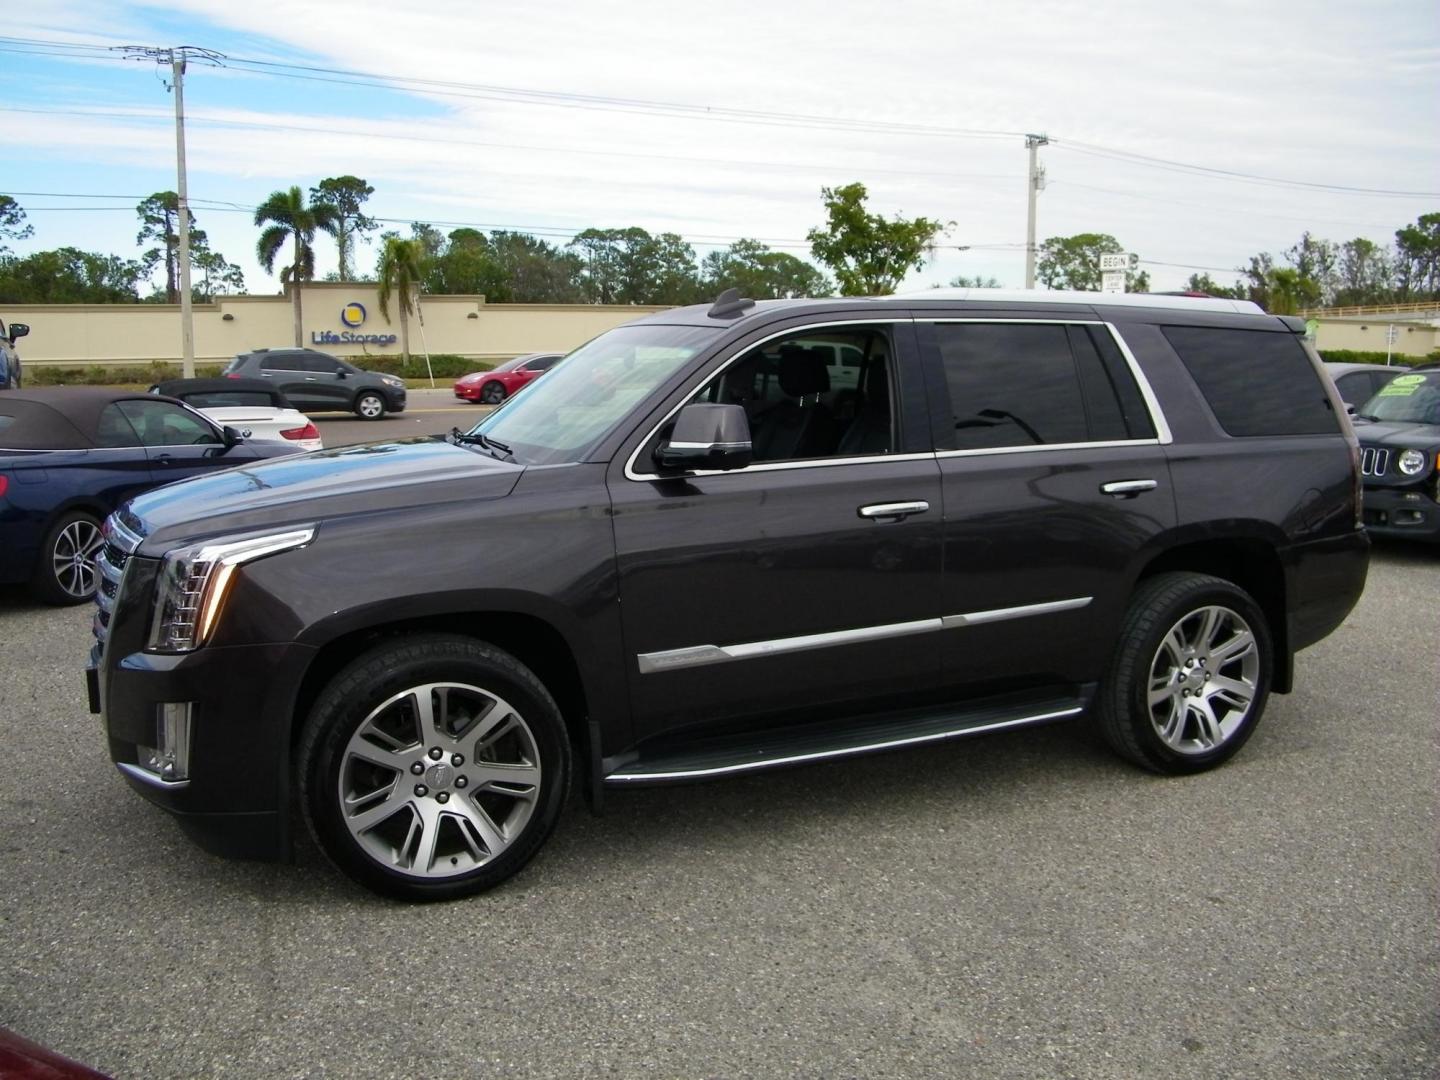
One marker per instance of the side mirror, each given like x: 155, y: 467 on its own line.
x: 18, y: 330
x: 707, y: 437
x: 232, y: 436
x: 342, y: 374
x: 1350, y: 408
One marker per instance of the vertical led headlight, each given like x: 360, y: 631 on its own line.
x: 193, y: 581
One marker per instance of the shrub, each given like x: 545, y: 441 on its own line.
x: 1358, y: 356
x: 112, y: 374
x: 444, y: 365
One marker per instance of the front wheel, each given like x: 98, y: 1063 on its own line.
x: 492, y: 393
x: 369, y: 406
x: 67, y: 573
x: 433, y: 767
x: 1190, y: 677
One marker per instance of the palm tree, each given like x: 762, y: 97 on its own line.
x: 400, y: 271
x: 290, y: 218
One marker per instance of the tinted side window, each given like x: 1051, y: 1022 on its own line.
x: 283, y: 362
x: 1257, y: 383
x: 545, y: 363
x: 224, y: 399
x: 1011, y: 384
x: 163, y: 424
x: 113, y: 429
x: 1108, y: 380
x: 322, y: 364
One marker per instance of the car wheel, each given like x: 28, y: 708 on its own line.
x: 1190, y: 677
x: 369, y: 406
x: 433, y: 767
x: 492, y: 393
x: 67, y: 573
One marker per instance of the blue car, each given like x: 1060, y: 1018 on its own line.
x: 70, y: 455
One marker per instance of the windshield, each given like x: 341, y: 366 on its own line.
x: 559, y: 418
x: 1406, y: 399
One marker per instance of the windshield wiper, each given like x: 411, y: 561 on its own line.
x: 460, y: 438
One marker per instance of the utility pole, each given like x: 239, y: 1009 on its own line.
x: 177, y: 58
x: 1035, y: 183
x: 187, y: 315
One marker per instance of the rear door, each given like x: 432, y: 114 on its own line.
x: 1055, y: 478
x: 328, y: 382
x: 286, y: 370
x: 775, y: 592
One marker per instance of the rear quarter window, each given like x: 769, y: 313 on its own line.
x: 1256, y: 382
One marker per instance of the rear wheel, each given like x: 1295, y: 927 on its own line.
x: 492, y: 393
x: 433, y: 768
x: 66, y: 573
x: 1190, y: 677
x: 369, y: 405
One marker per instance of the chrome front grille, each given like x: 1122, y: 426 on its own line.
x: 1374, y: 460
x: 111, y: 562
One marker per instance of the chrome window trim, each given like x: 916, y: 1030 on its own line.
x: 989, y: 450
x: 703, y: 655
x: 1162, y: 437
x: 766, y: 466
x: 847, y: 751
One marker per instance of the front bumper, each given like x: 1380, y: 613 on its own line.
x: 1401, y: 512
x: 467, y: 393
x: 235, y: 798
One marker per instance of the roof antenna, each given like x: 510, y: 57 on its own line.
x: 729, y: 304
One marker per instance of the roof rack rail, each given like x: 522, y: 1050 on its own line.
x: 729, y: 304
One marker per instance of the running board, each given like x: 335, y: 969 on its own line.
x: 737, y: 754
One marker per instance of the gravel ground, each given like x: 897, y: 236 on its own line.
x: 1019, y: 905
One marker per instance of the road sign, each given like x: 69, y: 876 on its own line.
x: 1114, y: 262
x: 1392, y: 335
x: 1112, y: 281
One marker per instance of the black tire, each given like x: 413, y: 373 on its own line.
x: 492, y: 393
x: 1175, y: 709
x: 66, y: 572
x: 366, y: 707
x: 370, y: 406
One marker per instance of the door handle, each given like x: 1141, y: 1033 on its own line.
x: 896, y: 510
x: 164, y: 459
x: 1125, y: 489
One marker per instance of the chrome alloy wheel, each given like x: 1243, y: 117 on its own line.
x: 1203, y: 680
x: 73, y: 558
x: 370, y: 407
x: 439, y: 779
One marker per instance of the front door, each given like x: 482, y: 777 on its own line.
x: 784, y: 591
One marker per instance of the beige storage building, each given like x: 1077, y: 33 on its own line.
x: 339, y: 318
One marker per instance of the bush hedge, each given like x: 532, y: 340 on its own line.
x: 1359, y: 356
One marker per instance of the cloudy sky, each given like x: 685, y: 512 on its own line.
x: 720, y: 121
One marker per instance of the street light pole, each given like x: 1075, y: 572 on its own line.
x: 187, y: 320
x: 1035, y: 183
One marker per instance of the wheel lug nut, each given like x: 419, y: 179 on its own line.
x: 457, y: 760
x: 421, y: 790
x: 461, y: 781
x: 436, y: 753
x: 417, y: 768
x: 444, y: 796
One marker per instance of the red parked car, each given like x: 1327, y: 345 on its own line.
x: 494, y: 386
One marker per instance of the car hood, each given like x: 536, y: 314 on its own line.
x: 380, y: 476
x: 1402, y: 436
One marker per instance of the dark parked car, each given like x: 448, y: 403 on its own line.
x: 1400, y: 457
x: 1358, y: 383
x: 494, y: 386
x: 70, y: 455
x: 685, y: 554
x: 9, y: 356
x: 318, y: 382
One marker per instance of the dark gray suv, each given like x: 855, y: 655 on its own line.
x: 724, y: 539
x: 318, y: 382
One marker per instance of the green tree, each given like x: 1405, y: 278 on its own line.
x: 1314, y: 260
x: 68, y: 276
x: 976, y: 282
x: 629, y: 266
x: 1073, y: 262
x: 290, y: 219
x: 12, y: 222
x: 761, y: 273
x: 1291, y: 292
x: 346, y: 195
x: 1417, y: 258
x: 1365, y: 273
x: 869, y: 255
x: 160, y: 222
x: 466, y: 266
x: 534, y: 272
x: 400, y: 273
x: 1204, y: 283
x: 215, y: 276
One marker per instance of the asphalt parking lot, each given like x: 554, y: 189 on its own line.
x: 427, y: 412
x: 1019, y: 905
